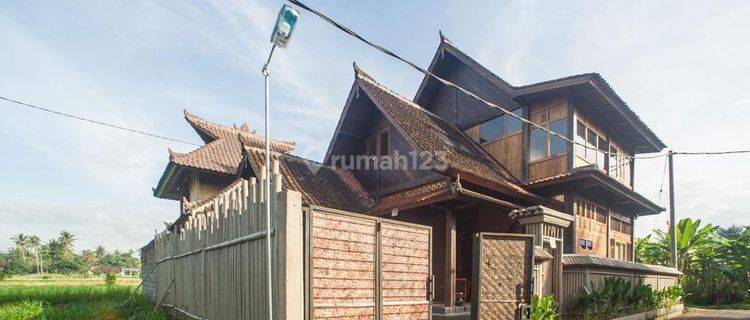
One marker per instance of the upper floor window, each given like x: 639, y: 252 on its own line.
x: 384, y: 142
x: 596, y: 146
x: 378, y: 144
x: 543, y: 144
x: 499, y: 127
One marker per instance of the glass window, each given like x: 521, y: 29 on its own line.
x: 591, y: 139
x: 601, y: 215
x: 557, y: 145
x: 492, y: 129
x: 581, y: 131
x: 613, y: 168
x: 582, y: 243
x: 601, y: 154
x: 384, y: 143
x: 589, y: 244
x: 538, y: 142
x: 514, y: 125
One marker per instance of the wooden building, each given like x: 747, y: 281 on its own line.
x: 445, y: 160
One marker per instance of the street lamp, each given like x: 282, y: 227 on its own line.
x: 280, y: 37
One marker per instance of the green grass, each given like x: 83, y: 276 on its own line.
x: 77, y: 301
x: 66, y: 280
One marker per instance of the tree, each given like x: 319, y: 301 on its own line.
x: 101, y: 254
x: 35, y: 243
x: 690, y: 239
x: 66, y: 240
x: 88, y: 258
x: 21, y: 241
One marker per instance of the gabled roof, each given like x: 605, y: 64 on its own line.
x: 595, y: 91
x: 319, y: 184
x: 428, y: 133
x: 222, y: 152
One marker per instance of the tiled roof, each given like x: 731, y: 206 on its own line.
x: 432, y: 134
x: 319, y: 184
x: 222, y: 152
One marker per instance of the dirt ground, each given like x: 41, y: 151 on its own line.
x: 705, y: 314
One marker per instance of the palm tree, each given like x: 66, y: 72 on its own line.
x: 22, y: 242
x: 101, y: 254
x: 690, y: 239
x: 66, y: 241
x: 35, y: 244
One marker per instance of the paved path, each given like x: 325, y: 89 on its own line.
x: 705, y: 314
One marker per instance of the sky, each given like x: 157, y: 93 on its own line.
x: 682, y: 66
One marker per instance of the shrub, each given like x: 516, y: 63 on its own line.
x: 110, y: 279
x: 543, y: 308
x: 616, y: 297
x: 2, y: 276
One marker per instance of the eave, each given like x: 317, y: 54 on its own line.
x: 596, y: 181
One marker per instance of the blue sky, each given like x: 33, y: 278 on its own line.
x: 682, y: 66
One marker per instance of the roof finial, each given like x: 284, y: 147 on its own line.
x: 443, y: 38
x: 357, y: 70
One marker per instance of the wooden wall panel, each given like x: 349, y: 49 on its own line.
x: 548, y: 167
x: 594, y: 231
x: 507, y: 151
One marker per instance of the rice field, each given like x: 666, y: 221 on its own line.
x: 62, y: 297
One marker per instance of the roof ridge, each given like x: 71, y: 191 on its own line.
x: 244, y: 128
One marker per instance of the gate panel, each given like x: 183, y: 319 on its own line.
x: 366, y: 268
x: 405, y: 264
x: 343, y: 266
x: 502, y: 277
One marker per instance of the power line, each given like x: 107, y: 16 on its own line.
x: 453, y: 85
x: 712, y: 153
x: 663, y: 174
x: 153, y: 135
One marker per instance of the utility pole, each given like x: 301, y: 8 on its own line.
x: 672, y: 233
x: 282, y: 33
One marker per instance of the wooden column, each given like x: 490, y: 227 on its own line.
x: 609, y: 227
x: 450, y: 258
x: 632, y: 238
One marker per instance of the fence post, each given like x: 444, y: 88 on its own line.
x: 290, y: 256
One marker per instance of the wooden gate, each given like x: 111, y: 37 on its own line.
x: 502, y: 275
x: 363, y: 267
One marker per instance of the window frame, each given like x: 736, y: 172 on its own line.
x: 506, y: 121
x: 546, y: 122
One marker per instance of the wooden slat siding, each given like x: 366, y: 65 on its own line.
x: 405, y: 269
x: 548, y: 167
x: 575, y: 277
x: 507, y: 151
x: 343, y: 266
x: 217, y: 279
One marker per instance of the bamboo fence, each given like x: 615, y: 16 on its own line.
x: 212, y: 264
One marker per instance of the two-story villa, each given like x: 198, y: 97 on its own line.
x: 476, y: 164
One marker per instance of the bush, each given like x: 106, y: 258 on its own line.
x: 544, y: 308
x: 110, y: 279
x: 2, y: 276
x: 617, y: 298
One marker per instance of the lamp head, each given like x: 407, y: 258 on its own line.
x: 284, y: 28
